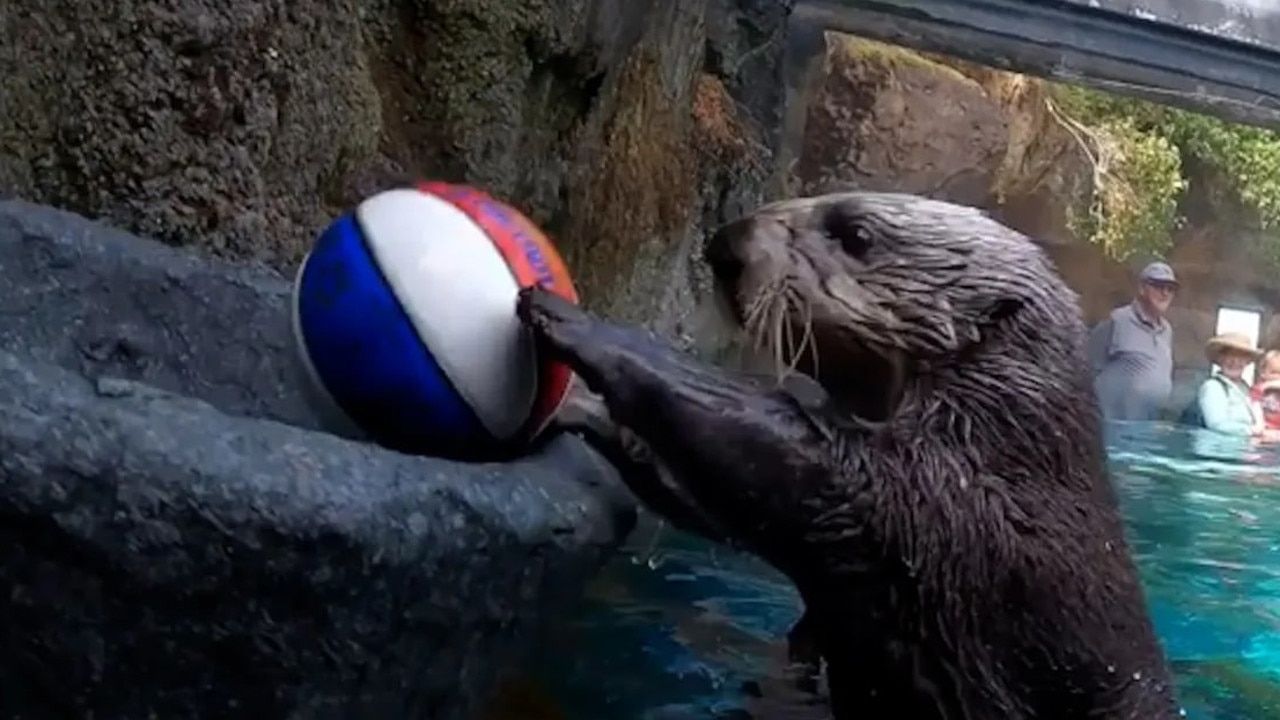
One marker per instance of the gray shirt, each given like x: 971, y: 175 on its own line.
x: 1132, y: 363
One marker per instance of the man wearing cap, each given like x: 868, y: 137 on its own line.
x: 1131, y: 352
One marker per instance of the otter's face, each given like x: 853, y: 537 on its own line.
x: 869, y: 287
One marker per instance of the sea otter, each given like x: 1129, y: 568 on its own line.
x: 946, y: 514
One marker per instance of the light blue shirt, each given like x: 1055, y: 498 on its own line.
x: 1225, y: 406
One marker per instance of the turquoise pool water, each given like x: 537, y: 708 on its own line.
x: 672, y: 630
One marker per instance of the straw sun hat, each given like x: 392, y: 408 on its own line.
x: 1230, y: 342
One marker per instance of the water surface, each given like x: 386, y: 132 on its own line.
x: 673, y: 631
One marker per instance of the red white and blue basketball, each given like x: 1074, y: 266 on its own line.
x: 405, y: 314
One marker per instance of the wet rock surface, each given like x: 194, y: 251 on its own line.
x: 101, y: 301
x: 169, y: 549
x: 885, y: 119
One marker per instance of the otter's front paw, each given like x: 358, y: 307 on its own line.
x: 554, y: 320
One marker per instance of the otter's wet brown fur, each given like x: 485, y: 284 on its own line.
x: 947, y: 516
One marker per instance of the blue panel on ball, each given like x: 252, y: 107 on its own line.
x: 368, y: 355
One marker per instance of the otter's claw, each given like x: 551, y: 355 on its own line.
x: 553, y: 319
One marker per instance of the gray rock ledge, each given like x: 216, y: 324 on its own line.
x: 164, y: 554
x: 101, y: 301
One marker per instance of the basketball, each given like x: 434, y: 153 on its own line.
x: 405, y: 315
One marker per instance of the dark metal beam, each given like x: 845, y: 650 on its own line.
x: 1075, y: 43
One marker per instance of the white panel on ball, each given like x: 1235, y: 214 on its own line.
x: 460, y: 296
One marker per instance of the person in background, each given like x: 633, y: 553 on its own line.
x: 1131, y: 352
x: 1224, y: 398
x: 1266, y: 389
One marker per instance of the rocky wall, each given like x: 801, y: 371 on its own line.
x: 888, y: 118
x: 622, y: 127
x: 178, y: 538
x: 148, y: 415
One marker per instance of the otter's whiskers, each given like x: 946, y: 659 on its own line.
x: 779, y: 321
x: 759, y: 312
x: 797, y: 306
x: 761, y: 321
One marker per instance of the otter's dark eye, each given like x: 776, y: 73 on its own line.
x: 842, y: 227
x: 857, y: 243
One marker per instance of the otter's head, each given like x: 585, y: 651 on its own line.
x: 874, y: 294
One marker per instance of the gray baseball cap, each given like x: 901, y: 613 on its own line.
x: 1158, y: 272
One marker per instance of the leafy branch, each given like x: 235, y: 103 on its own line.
x: 1139, y: 153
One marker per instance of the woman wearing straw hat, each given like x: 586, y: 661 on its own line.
x: 1225, y: 405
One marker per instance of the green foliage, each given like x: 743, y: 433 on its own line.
x: 1141, y: 152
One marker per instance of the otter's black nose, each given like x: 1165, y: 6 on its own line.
x: 723, y: 251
